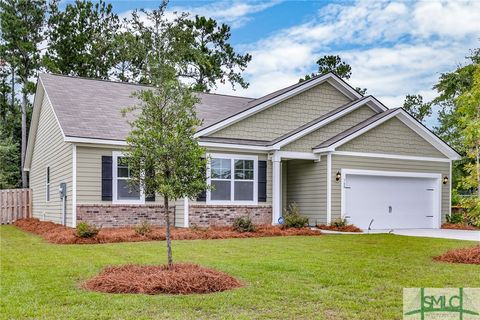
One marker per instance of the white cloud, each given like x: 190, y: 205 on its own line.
x: 394, y: 48
x: 235, y: 14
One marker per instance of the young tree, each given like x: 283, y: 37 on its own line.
x: 162, y: 152
x: 82, y: 39
x: 414, y: 105
x: 21, y: 23
x: 468, y: 113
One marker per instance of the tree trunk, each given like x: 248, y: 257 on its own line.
x: 167, y: 223
x: 24, y: 137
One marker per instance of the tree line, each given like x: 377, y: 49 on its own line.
x: 88, y: 39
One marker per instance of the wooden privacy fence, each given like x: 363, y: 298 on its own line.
x: 15, y: 204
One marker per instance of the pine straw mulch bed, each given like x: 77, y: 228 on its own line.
x: 459, y: 226
x: 55, y: 233
x: 347, y: 228
x: 463, y: 255
x: 178, y: 279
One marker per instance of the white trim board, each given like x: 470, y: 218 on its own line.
x: 406, y: 174
x: 389, y: 156
x: 74, y: 186
x: 329, y: 188
x: 407, y: 119
x: 330, y: 77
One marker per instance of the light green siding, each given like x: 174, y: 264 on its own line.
x: 307, y: 187
x: 50, y: 151
x: 382, y: 164
x: 286, y: 115
x: 306, y: 143
x: 392, y: 137
x: 89, y: 175
x: 179, y: 211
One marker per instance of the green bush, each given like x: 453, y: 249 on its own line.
x: 292, y: 217
x: 84, y: 230
x: 456, y: 218
x: 472, y: 208
x: 243, y: 224
x: 455, y: 198
x: 340, y: 223
x: 143, y: 228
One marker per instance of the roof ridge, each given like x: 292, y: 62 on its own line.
x: 134, y: 84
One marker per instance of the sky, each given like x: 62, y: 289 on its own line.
x: 394, y: 48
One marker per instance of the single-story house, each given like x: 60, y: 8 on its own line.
x: 318, y: 143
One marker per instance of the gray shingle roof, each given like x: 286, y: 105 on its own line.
x: 91, y: 108
x: 354, y: 129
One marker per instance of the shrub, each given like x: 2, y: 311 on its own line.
x: 143, y: 228
x: 456, y: 218
x: 339, y: 223
x: 455, y: 198
x: 472, y: 208
x: 292, y: 217
x: 84, y: 230
x: 243, y: 224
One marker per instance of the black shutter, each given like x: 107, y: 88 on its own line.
x: 150, y: 197
x: 202, y: 196
x: 106, y: 178
x: 262, y: 181
x: 150, y: 194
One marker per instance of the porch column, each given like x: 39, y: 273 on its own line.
x: 276, y: 189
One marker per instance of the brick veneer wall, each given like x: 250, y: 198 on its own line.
x: 118, y: 215
x: 221, y: 216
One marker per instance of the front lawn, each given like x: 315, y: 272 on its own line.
x: 326, y: 277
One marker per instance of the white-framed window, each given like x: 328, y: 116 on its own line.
x: 233, y: 179
x: 47, y: 184
x: 123, y: 191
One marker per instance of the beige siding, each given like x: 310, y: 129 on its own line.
x: 349, y: 162
x: 393, y: 137
x: 306, y: 143
x: 307, y: 187
x: 286, y: 115
x: 50, y: 150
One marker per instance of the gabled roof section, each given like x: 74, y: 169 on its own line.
x: 273, y: 98
x: 305, y: 129
x: 372, y: 122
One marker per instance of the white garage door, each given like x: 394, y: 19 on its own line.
x: 391, y: 200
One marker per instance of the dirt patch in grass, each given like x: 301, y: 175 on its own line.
x: 178, y: 279
x: 462, y: 255
x: 59, y: 234
x: 459, y: 226
x: 347, y: 228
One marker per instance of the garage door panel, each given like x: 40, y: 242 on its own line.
x: 389, y: 201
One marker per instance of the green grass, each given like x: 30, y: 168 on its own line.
x: 327, y: 277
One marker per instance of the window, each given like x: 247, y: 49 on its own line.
x: 123, y: 191
x: 47, y: 184
x: 233, y: 179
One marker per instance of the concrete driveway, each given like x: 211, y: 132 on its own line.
x: 440, y: 233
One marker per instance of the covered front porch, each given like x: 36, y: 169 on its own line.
x: 304, y: 179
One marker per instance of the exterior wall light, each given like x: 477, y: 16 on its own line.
x: 445, y: 180
x: 338, y: 176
